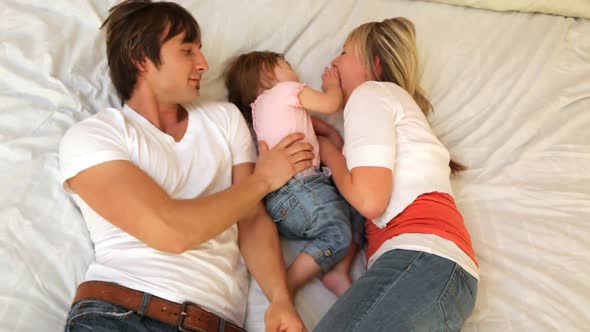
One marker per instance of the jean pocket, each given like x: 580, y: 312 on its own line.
x: 290, y: 216
x: 457, y: 299
x: 92, y: 310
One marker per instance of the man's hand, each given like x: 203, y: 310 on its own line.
x: 281, y: 316
x: 287, y: 158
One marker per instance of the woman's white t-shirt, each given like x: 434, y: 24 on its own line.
x: 384, y: 127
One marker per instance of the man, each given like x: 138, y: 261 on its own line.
x: 169, y: 190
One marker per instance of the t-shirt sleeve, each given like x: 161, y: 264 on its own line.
x: 240, y: 139
x: 292, y: 91
x: 89, y: 143
x: 277, y: 112
x: 369, y: 127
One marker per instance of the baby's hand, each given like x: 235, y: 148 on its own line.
x: 330, y: 79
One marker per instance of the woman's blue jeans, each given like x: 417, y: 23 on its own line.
x: 405, y: 291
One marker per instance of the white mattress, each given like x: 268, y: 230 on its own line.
x: 512, y: 101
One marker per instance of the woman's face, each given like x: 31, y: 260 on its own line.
x: 351, y: 69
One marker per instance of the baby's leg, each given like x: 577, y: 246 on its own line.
x: 316, y: 212
x: 293, y: 212
x: 327, y: 248
x: 338, y: 279
x: 301, y: 271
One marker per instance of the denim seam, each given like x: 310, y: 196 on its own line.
x: 298, y: 205
x: 319, y: 202
x: 308, y: 216
x: 385, y: 291
x: 465, y: 277
x: 443, y: 297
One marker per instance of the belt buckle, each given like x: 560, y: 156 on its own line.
x: 182, y: 315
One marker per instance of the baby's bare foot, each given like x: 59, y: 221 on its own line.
x: 337, y: 282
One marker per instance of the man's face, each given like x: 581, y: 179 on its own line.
x: 182, y: 66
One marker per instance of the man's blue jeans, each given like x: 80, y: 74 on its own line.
x: 404, y: 291
x: 100, y: 316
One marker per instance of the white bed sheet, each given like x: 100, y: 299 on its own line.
x: 512, y: 101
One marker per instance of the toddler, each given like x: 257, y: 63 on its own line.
x: 308, y: 207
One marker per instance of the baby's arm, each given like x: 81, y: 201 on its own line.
x: 328, y: 101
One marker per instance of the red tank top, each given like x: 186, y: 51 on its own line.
x: 431, y: 213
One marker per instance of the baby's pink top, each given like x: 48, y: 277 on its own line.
x: 277, y: 113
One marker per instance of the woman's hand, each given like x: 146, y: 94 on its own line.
x: 329, y: 152
x: 322, y: 128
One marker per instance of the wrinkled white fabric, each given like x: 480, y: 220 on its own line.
x: 511, y: 96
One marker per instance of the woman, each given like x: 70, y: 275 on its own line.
x: 422, y: 273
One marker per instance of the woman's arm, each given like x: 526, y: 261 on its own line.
x: 328, y: 101
x: 322, y: 128
x: 367, y: 188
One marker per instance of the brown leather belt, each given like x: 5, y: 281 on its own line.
x: 187, y: 316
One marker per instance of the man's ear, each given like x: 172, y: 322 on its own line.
x: 378, y: 69
x: 141, y: 65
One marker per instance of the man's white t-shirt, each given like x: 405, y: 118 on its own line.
x: 212, y: 274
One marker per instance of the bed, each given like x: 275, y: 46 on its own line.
x: 511, y: 92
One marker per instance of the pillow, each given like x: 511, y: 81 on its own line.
x: 574, y: 8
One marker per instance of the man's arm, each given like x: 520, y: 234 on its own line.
x: 128, y: 198
x: 260, y: 247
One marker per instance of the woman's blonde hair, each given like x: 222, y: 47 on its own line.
x: 393, y: 42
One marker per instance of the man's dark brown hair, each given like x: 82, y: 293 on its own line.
x: 247, y: 75
x: 136, y: 30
